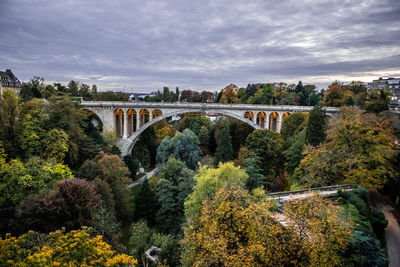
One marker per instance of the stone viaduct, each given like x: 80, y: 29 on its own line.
x: 129, y: 119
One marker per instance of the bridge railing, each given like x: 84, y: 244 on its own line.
x: 315, y: 189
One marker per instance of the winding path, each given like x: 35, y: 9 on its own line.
x: 392, y: 230
x: 146, y: 177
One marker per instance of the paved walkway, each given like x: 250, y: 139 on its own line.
x: 146, y: 177
x: 305, y: 195
x: 392, y: 230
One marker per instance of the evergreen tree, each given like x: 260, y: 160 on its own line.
x: 224, y: 150
x: 177, y: 93
x: 256, y: 179
x: 316, y: 127
x: 204, y: 136
x: 146, y: 204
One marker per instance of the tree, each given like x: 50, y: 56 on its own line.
x: 55, y: 145
x: 84, y: 91
x: 234, y: 229
x: 31, y: 135
x: 360, y: 150
x: 229, y: 94
x: 70, y: 206
x: 224, y: 151
x: 9, y: 110
x: 32, y: 89
x: 113, y: 170
x: 378, y: 101
x: 333, y: 96
x: 208, y: 182
x: 186, y: 148
x: 76, y: 248
x: 269, y: 146
x: 264, y: 95
x: 256, y: 179
x: 73, y: 88
x: 177, y: 94
x: 65, y: 116
x: 204, y: 136
x: 293, y: 124
x: 105, y: 224
x: 293, y: 154
x: 132, y: 164
x: 35, y: 177
x: 165, y: 150
x: 318, y: 226
x: 316, y: 127
x: 89, y: 170
x: 176, y: 182
x: 146, y: 204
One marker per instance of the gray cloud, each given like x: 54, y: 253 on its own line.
x: 145, y: 45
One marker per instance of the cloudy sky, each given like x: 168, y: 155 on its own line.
x: 144, y: 45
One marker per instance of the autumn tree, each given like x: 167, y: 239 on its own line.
x: 233, y: 228
x: 70, y: 205
x: 113, y: 170
x: 75, y: 248
x: 333, y: 96
x: 360, y: 150
x: 229, y: 94
x: 318, y: 226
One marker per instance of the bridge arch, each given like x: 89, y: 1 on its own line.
x: 127, y: 144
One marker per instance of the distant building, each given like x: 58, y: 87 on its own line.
x: 9, y: 82
x: 392, y: 85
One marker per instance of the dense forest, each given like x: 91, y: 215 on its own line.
x: 64, y: 195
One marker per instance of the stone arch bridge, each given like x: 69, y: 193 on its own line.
x: 129, y: 119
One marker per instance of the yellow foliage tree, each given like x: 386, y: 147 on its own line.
x: 235, y: 230
x: 75, y: 248
x: 317, y: 224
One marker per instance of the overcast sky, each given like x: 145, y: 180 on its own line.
x: 144, y: 45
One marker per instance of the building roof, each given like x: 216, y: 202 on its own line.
x: 8, y: 79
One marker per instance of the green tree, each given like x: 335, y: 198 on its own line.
x: 9, y: 110
x: 89, y: 170
x: 293, y: 124
x: 165, y: 150
x: 186, y: 148
x: 269, y: 146
x: 176, y: 182
x: 264, y: 95
x: 293, y: 154
x: 146, y: 204
x: 204, y: 136
x: 55, y: 145
x: 132, y: 164
x: 224, y: 151
x: 208, y: 182
x: 73, y: 88
x: 256, y: 179
x: 317, y: 125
